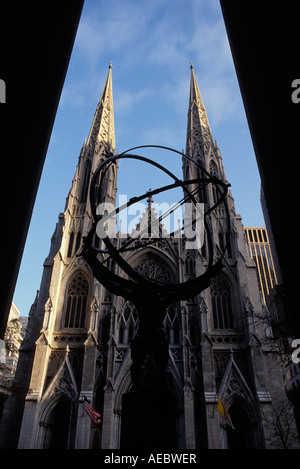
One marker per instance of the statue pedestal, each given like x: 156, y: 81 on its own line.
x: 148, y: 420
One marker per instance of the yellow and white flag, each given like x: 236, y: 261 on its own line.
x: 221, y: 408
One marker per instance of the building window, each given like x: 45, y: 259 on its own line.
x: 202, y: 187
x: 260, y: 252
x: 172, y: 325
x: 77, y: 302
x: 85, y: 185
x: 225, y: 243
x: 214, y: 172
x: 221, y: 303
x: 78, y: 240
x: 128, y: 324
x: 71, y: 242
x: 221, y: 241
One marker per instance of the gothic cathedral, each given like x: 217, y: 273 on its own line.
x: 77, y: 346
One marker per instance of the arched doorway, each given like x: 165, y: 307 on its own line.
x: 241, y: 437
x: 58, y: 428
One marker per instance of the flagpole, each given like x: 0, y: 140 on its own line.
x: 70, y: 424
x: 214, y: 407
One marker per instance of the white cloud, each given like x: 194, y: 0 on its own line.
x: 151, y: 44
x: 162, y: 135
x: 221, y: 101
x: 108, y: 27
x: 126, y: 100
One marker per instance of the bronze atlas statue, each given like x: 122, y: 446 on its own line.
x: 150, y: 396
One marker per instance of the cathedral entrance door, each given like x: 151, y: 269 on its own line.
x: 242, y: 436
x: 57, y: 435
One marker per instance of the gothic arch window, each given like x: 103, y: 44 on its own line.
x: 172, y: 325
x: 104, y: 330
x: 76, y: 302
x: 195, y: 328
x: 221, y: 240
x: 220, y: 363
x: 102, y: 184
x: 154, y: 269
x: 221, y: 300
x: 228, y: 244
x: 214, y: 172
x: 85, y: 184
x: 78, y: 239
x: 110, y: 178
x: 202, y: 187
x: 70, y: 247
x: 128, y: 323
x: 189, y: 264
x: 225, y: 242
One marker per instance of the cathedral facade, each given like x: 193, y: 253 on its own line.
x: 77, y: 346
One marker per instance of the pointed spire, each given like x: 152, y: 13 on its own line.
x: 102, y: 131
x: 199, y: 137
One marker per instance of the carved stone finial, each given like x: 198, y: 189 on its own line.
x: 150, y: 199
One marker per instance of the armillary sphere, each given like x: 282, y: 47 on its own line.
x: 137, y: 286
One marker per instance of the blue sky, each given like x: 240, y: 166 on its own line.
x: 150, y: 44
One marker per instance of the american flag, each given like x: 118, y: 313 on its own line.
x: 74, y: 390
x: 92, y: 413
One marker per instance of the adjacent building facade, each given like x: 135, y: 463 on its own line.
x: 78, y: 341
x: 9, y: 352
x: 261, y: 253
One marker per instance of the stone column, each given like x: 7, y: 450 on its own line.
x: 188, y: 391
x: 30, y: 416
x: 108, y: 398
x: 109, y: 393
x: 82, y: 440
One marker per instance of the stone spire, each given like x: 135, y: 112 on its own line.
x: 101, y: 140
x: 102, y: 133
x: 199, y: 138
x: 100, y: 143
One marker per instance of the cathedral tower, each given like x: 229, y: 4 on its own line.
x: 80, y: 333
